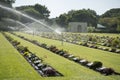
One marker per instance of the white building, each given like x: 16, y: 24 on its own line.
x: 77, y: 27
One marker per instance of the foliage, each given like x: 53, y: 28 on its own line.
x: 32, y: 12
x: 8, y: 1
x: 83, y: 15
x: 115, y: 12
x: 118, y: 25
x: 90, y: 29
x: 62, y: 20
x: 37, y: 10
x: 115, y: 42
x: 96, y: 64
x: 111, y: 19
x: 110, y: 23
x: 42, y: 10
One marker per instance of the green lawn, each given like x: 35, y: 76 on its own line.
x: 71, y: 70
x: 109, y: 59
x: 102, y: 34
x: 12, y: 65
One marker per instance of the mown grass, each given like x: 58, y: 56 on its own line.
x: 102, y: 34
x: 109, y: 59
x: 12, y: 65
x: 70, y: 70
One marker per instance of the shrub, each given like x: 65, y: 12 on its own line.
x: 49, y: 71
x: 9, y: 38
x: 15, y: 42
x: 22, y: 48
x: 115, y: 42
x: 96, y: 64
x: 43, y: 45
x: 25, y: 53
x: 34, y: 41
x: 84, y: 44
x: 106, y: 71
x: 52, y: 47
x: 112, y: 50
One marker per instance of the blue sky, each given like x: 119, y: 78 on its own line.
x: 58, y: 7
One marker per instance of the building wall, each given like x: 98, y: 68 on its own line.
x: 77, y: 27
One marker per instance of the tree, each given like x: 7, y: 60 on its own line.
x: 42, y: 10
x: 9, y: 2
x: 90, y: 29
x: 62, y: 20
x: 4, y: 13
x: 83, y: 15
x: 115, y: 12
x: 37, y: 10
x: 32, y: 12
x: 118, y: 25
x: 118, y: 28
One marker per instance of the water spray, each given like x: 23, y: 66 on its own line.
x: 20, y: 13
x: 18, y: 22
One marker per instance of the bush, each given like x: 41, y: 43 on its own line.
x: 25, y: 53
x: 49, y: 71
x: 84, y: 44
x: 15, y: 42
x: 34, y: 41
x: 96, y: 64
x: 112, y: 50
x: 22, y: 48
x: 106, y: 71
x: 43, y: 45
x: 52, y: 47
x: 9, y: 38
x: 115, y: 42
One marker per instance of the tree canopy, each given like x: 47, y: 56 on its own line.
x: 37, y: 11
x: 112, y: 13
x: 9, y: 2
x: 83, y: 15
x: 4, y: 13
x: 111, y: 19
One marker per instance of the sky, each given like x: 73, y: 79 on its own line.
x: 57, y: 7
